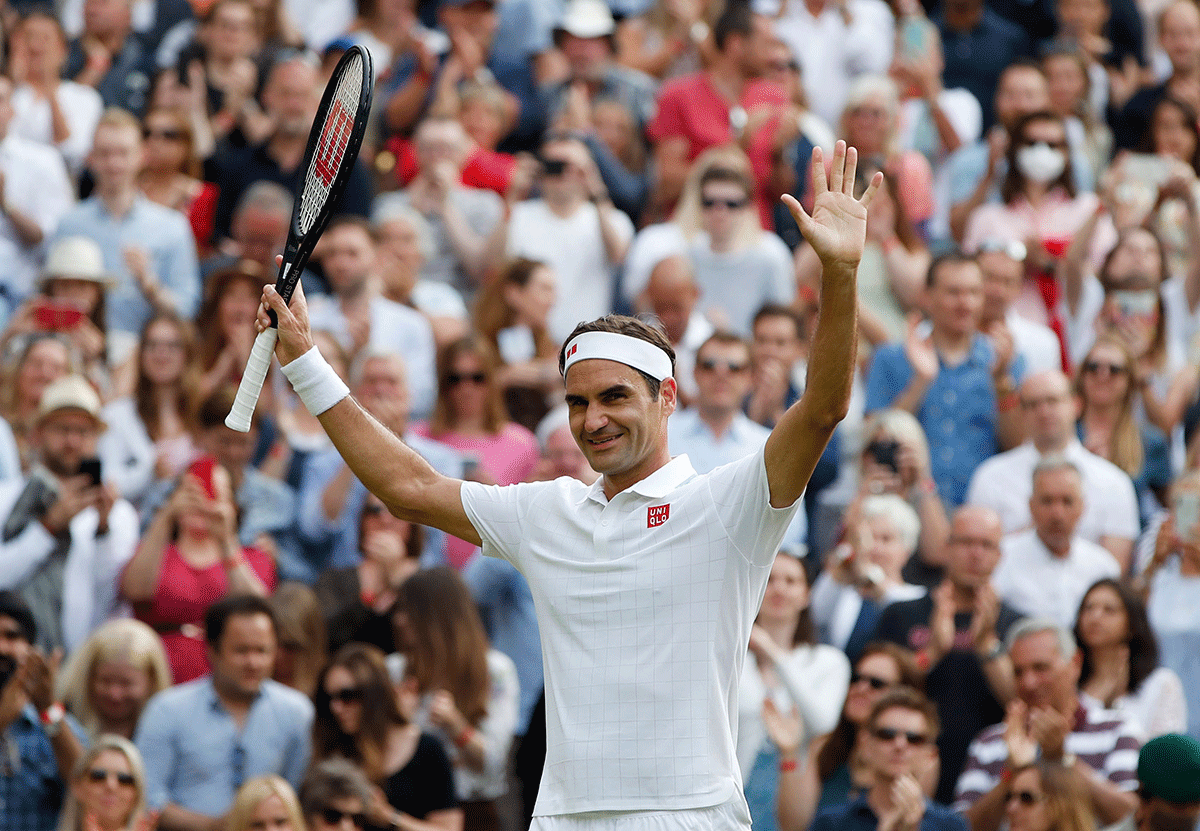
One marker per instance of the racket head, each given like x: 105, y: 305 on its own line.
x: 333, y: 144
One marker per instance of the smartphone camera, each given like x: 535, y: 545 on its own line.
x: 884, y: 454
x: 554, y: 167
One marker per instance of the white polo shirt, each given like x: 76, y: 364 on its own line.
x: 1005, y: 483
x: 645, y: 605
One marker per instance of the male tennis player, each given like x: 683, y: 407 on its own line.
x: 645, y: 583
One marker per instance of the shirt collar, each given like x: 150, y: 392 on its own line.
x: 655, y: 486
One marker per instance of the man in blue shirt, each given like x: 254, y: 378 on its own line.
x: 203, y: 739
x: 959, y: 383
x: 39, y: 744
x: 898, y: 747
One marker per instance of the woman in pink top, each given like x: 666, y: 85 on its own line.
x: 188, y: 559
x: 469, y: 416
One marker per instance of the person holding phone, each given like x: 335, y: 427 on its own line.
x: 66, y: 535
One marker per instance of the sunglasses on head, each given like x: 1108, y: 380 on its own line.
x: 889, y: 734
x: 1025, y: 797
x: 876, y: 683
x: 1093, y: 367
x: 728, y: 204
x: 458, y: 378
x: 710, y: 365
x: 332, y: 816
x: 348, y: 695
x: 102, y: 774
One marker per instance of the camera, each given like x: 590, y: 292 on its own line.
x: 884, y: 454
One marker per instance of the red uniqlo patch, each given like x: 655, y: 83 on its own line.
x: 656, y: 515
x: 332, y: 144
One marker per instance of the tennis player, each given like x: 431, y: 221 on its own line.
x: 645, y: 583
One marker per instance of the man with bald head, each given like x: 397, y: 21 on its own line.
x: 1005, y: 481
x: 672, y: 295
x: 957, y: 631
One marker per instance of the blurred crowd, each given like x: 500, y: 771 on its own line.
x: 990, y: 601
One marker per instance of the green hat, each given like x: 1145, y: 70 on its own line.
x: 1169, y: 768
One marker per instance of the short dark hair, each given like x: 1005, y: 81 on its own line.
x: 330, y: 780
x: 720, y: 173
x: 219, y: 613
x: 724, y: 337
x: 780, y: 310
x: 737, y: 19
x: 351, y: 221
x: 948, y: 258
x: 907, y: 698
x: 624, y: 325
x: 214, y: 408
x: 14, y: 606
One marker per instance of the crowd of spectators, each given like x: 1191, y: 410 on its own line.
x: 990, y: 601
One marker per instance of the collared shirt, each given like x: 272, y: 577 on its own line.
x: 1004, y: 483
x: 37, y: 184
x: 163, y: 233
x: 687, y: 433
x: 1101, y: 739
x: 1036, y: 582
x: 645, y: 604
x: 197, y: 758
x: 858, y: 816
x: 958, y: 413
x: 31, y: 790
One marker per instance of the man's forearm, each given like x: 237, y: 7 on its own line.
x: 1111, y: 804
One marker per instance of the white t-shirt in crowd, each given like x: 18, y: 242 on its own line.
x: 645, y: 604
x: 574, y: 250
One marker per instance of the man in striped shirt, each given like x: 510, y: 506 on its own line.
x: 1046, y: 719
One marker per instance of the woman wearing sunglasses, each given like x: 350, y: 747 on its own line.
x: 1107, y: 390
x: 469, y: 415
x: 358, y: 719
x: 834, y: 770
x: 1046, y: 796
x: 108, y: 790
x: 265, y: 803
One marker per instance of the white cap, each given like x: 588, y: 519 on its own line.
x: 76, y: 258
x: 587, y: 19
x: 70, y: 392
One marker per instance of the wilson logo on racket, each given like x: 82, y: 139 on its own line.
x: 656, y: 515
x: 332, y: 145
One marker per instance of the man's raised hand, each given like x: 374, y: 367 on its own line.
x: 837, y: 227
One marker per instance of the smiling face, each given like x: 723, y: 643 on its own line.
x: 620, y: 429
x: 874, y: 675
x: 119, y: 691
x: 164, y: 353
x: 102, y: 794
x: 898, y: 743
x: 787, y: 591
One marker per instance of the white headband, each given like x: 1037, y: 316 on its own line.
x: 610, y: 346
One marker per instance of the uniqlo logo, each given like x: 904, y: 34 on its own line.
x: 656, y: 515
x: 332, y: 145
x: 571, y: 351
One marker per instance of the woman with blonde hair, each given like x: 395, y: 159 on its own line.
x: 108, y: 790
x: 265, y: 802
x: 1045, y: 796
x: 109, y: 679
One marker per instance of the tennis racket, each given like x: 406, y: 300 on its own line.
x: 333, y: 146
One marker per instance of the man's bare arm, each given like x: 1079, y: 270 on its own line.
x: 837, y: 232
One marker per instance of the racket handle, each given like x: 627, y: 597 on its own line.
x: 242, y: 411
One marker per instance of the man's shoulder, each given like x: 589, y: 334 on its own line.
x: 192, y: 697
x: 28, y: 151
x: 1003, y: 465
x: 941, y: 818
x: 283, y: 696
x: 681, y: 89
x: 1103, y: 474
x: 161, y: 216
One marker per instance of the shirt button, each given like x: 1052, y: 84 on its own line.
x: 604, y: 522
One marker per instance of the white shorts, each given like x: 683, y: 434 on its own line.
x: 731, y: 816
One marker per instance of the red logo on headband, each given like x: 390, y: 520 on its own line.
x: 571, y: 351
x: 656, y: 515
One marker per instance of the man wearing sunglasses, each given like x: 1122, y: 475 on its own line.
x: 898, y: 746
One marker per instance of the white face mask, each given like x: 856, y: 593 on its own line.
x: 1041, y: 163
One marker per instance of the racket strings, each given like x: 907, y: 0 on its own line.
x: 332, y: 144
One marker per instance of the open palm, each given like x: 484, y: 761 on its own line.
x: 837, y: 227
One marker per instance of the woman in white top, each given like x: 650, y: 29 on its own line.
x: 466, y: 694
x: 786, y: 666
x: 1120, y: 661
x: 46, y: 108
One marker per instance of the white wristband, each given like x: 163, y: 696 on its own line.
x: 318, y: 386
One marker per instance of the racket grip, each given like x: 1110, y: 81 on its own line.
x: 242, y: 411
